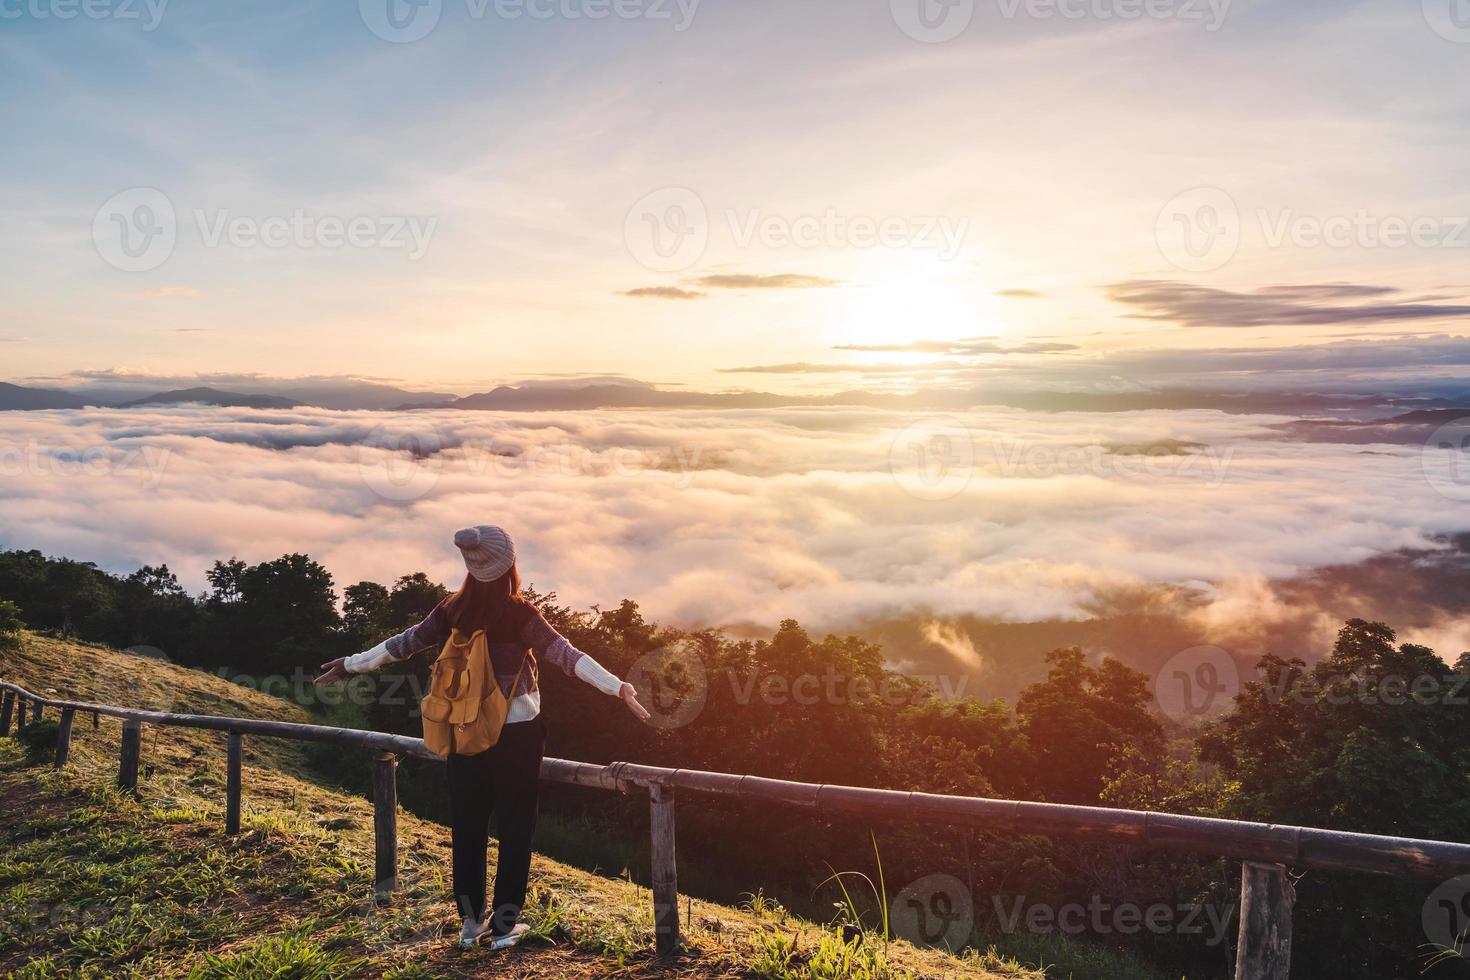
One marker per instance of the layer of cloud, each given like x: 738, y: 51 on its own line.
x: 727, y: 517
x: 1191, y: 305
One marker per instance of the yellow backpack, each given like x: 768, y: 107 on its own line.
x: 465, y: 709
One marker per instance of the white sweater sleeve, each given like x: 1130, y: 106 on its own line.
x: 598, y: 676
x: 368, y: 660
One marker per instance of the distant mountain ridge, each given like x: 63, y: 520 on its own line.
x: 211, y: 396
x: 342, y: 394
x: 15, y: 398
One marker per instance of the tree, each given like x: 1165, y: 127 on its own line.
x: 413, y: 597
x: 1370, y: 739
x: 1349, y: 744
x: 1080, y: 719
x: 224, y: 577
x: 365, y: 613
x: 275, y: 617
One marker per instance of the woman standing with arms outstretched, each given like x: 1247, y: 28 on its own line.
x: 504, y: 779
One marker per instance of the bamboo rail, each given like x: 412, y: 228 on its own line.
x: 1264, y: 850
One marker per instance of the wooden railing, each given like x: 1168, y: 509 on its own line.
x: 1264, y: 850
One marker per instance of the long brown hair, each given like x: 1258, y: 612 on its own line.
x: 480, y: 605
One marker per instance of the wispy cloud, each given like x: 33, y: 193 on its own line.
x: 662, y: 292
x: 786, y: 280
x: 1325, y: 304
x: 169, y: 291
x: 969, y: 347
x: 1019, y: 294
x: 807, y: 367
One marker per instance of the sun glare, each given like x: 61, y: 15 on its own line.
x: 920, y: 302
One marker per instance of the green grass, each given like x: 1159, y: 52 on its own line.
x: 294, y: 956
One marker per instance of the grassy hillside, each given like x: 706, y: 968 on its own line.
x: 95, y: 884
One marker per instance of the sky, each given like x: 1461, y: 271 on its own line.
x: 783, y: 196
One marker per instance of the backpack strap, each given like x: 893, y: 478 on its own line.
x: 516, y: 683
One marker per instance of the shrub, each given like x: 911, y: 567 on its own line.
x: 10, y: 625
x: 39, y: 738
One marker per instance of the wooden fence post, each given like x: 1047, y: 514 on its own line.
x: 20, y: 713
x: 63, y: 736
x: 132, y: 743
x: 234, y: 754
x: 96, y: 721
x: 385, y: 821
x: 665, y: 875
x: 1267, y: 896
x: 7, y: 707
x: 36, y: 712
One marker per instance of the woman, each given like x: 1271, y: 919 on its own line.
x: 505, y: 778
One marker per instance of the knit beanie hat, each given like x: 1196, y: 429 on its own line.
x: 488, y: 551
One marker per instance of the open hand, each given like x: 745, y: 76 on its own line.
x: 336, y: 670
x: 629, y: 694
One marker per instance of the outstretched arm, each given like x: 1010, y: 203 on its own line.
x: 432, y: 632
x: 550, y: 645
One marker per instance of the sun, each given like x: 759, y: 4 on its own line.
x: 912, y: 302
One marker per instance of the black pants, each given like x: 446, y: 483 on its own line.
x: 503, y: 781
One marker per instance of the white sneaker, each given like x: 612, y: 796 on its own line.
x: 510, y: 938
x: 472, y: 933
